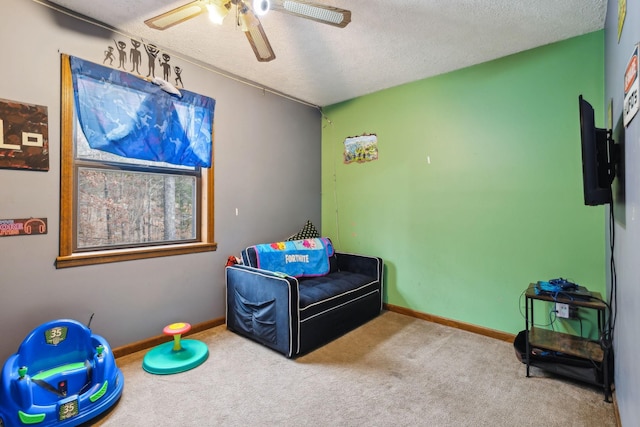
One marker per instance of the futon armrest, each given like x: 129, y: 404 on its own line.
x: 361, y: 264
x: 263, y: 305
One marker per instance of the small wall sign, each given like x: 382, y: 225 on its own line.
x: 631, y: 88
x: 16, y: 227
x: 363, y: 148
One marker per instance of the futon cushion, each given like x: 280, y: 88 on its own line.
x: 320, y: 294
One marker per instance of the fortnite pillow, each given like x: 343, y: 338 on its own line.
x: 298, y: 258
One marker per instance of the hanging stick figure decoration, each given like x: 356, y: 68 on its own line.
x: 152, y: 52
x: 108, y: 55
x: 178, y: 71
x: 166, y: 68
x: 122, y: 53
x: 135, y: 56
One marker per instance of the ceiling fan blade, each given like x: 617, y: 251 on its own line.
x: 314, y: 11
x: 260, y: 44
x: 177, y: 15
x: 255, y: 34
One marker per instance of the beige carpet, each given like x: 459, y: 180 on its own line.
x: 393, y: 371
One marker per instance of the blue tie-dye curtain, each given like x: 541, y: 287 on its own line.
x: 131, y: 117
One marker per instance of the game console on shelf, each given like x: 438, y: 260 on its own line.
x: 562, y: 287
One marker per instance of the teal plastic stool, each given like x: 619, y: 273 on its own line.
x: 177, y: 356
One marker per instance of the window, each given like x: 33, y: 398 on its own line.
x: 118, y: 207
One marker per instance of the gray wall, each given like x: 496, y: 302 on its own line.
x: 627, y: 224
x: 267, y: 165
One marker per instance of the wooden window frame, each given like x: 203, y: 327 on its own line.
x: 68, y: 258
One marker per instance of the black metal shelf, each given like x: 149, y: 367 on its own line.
x: 569, y: 344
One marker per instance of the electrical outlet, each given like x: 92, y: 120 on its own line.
x: 573, y: 312
x: 562, y: 310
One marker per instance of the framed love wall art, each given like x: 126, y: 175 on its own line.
x: 24, y: 136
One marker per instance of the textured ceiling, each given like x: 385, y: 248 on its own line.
x: 387, y: 43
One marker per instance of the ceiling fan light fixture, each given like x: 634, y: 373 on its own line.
x: 218, y: 11
x: 261, y: 7
x: 246, y: 14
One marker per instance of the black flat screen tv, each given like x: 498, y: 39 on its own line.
x: 598, y: 158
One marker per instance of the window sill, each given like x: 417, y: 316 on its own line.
x: 104, y: 257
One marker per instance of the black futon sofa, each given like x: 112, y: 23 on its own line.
x: 294, y: 315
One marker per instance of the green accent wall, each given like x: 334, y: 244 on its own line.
x: 477, y: 190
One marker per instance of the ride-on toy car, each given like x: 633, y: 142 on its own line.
x: 62, y: 375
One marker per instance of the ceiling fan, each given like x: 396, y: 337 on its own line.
x: 247, y: 13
